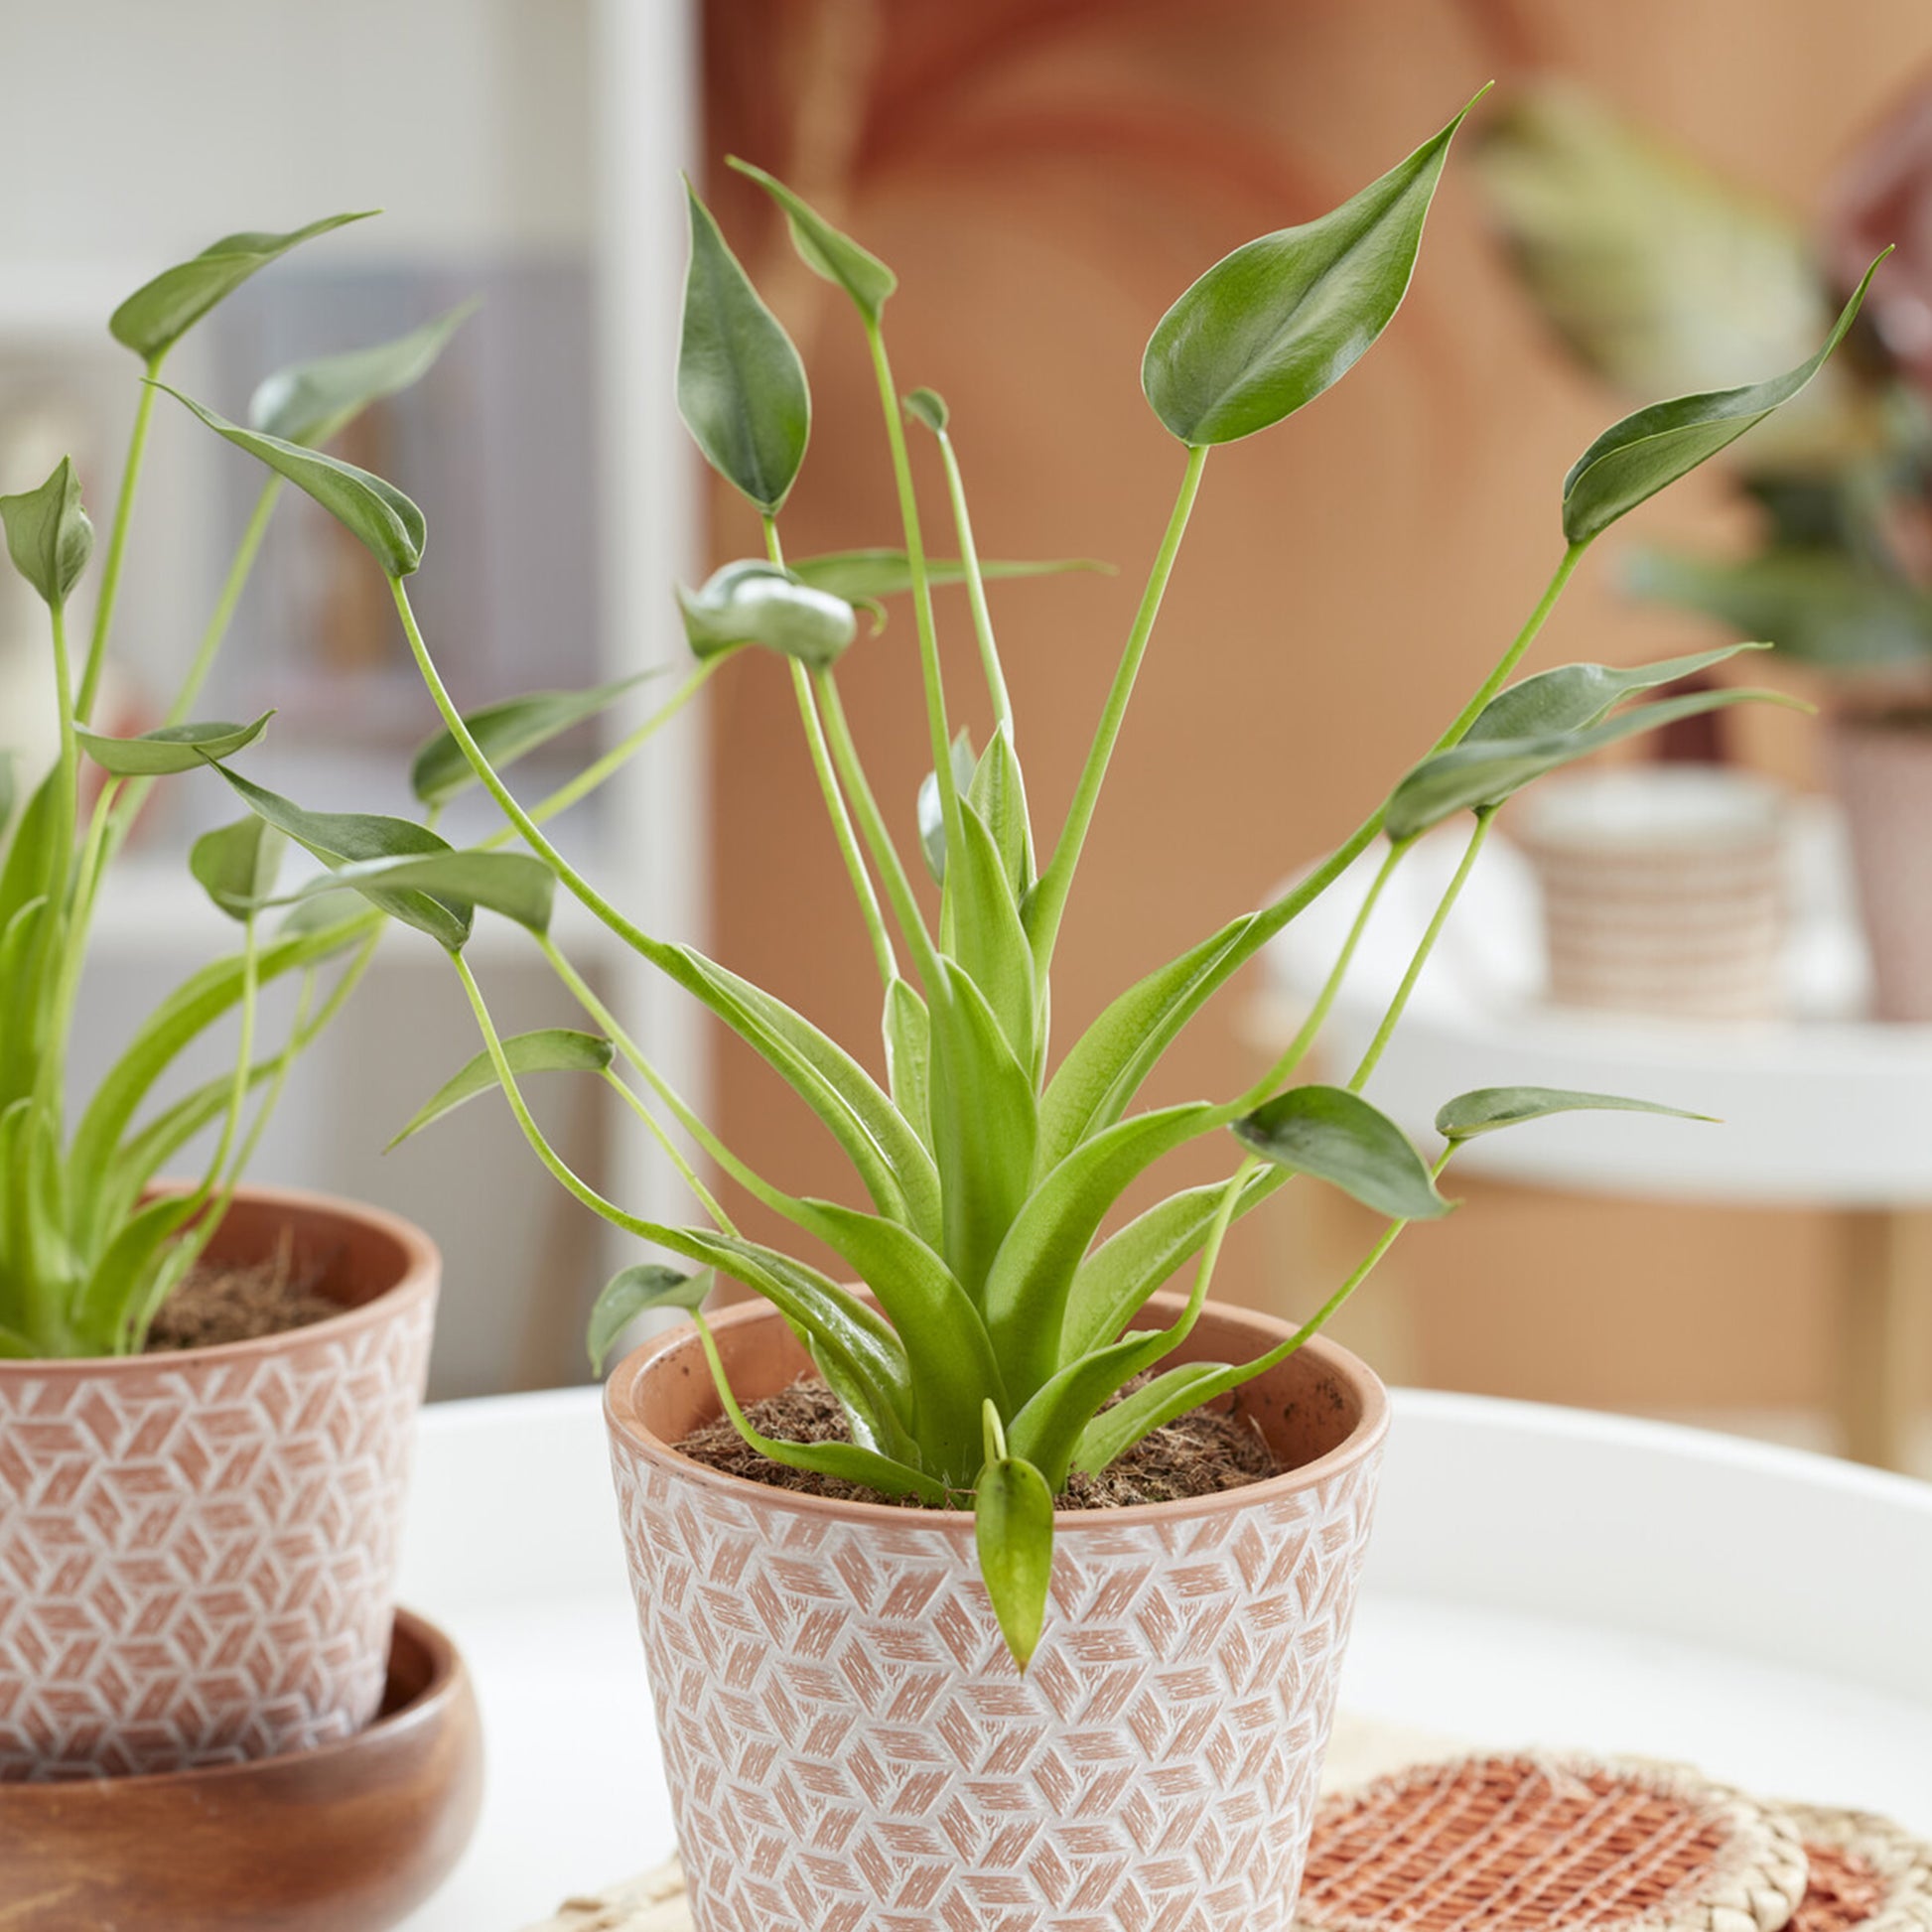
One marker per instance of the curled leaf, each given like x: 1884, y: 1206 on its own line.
x: 741, y: 387
x: 826, y: 251
x: 1338, y: 1137
x: 636, y: 1291
x: 159, y: 313
x: 753, y: 602
x: 549, y: 1050
x: 310, y: 402
x: 376, y: 514
x: 49, y: 536
x: 928, y: 406
x: 1648, y: 451
x: 237, y: 865
x: 172, y: 748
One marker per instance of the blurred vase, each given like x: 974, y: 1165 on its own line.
x: 1883, y: 767
x: 1663, y: 889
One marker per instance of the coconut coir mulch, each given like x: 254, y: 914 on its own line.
x: 1197, y: 1454
x: 232, y: 1301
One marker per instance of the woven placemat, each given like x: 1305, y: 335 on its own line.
x: 1420, y: 1836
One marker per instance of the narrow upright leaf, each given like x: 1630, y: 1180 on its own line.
x: 636, y: 1291
x: 237, y: 865
x: 159, y: 313
x: 1646, y: 452
x: 1488, y: 1108
x: 310, y: 402
x: 508, y: 731
x: 1013, y: 1527
x: 1338, y: 1137
x: 753, y: 603
x: 826, y: 251
x: 1272, y: 325
x: 741, y: 387
x: 49, y: 536
x: 172, y: 748
x: 376, y: 514
x: 931, y: 820
x: 550, y: 1049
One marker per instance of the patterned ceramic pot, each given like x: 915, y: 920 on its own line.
x: 1883, y: 772
x: 849, y: 1746
x: 198, y: 1551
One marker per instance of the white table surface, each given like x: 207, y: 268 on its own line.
x: 1820, y: 1108
x: 1538, y: 1575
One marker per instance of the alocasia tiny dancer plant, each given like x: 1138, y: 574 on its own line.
x: 984, y: 1363
x: 87, y: 1258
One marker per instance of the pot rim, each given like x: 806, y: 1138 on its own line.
x: 422, y: 1263
x: 1361, y: 1441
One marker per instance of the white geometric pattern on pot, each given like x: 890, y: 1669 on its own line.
x: 852, y: 1751
x: 198, y: 1551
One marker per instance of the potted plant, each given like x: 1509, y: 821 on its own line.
x: 900, y: 1670
x: 1651, y: 268
x: 206, y: 1390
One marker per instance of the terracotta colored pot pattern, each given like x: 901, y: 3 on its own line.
x: 850, y: 1748
x: 198, y: 1551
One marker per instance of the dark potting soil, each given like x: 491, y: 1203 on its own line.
x: 1196, y: 1454
x: 224, y: 1302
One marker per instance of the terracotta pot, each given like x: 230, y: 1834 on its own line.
x: 198, y: 1551
x: 849, y: 1746
x: 1663, y: 889
x: 1883, y: 773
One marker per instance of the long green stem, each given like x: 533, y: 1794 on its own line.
x: 1513, y: 657
x: 908, y: 510
x: 828, y: 784
x: 969, y: 557
x: 879, y: 839
x: 1311, y: 1028
x: 241, y: 568
x: 672, y: 1153
x: 1434, y: 931
x: 244, y: 1066
x: 1047, y: 904
x: 110, y: 570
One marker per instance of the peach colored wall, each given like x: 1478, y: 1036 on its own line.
x: 1046, y: 177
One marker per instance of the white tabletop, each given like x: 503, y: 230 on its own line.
x: 1539, y: 1576
x: 1820, y: 1108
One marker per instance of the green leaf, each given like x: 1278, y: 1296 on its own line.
x: 982, y: 1126
x: 826, y: 251
x: 998, y: 794
x: 1115, y: 1431
x: 376, y: 514
x: 1338, y: 1137
x: 549, y: 1050
x: 928, y: 406
x: 636, y: 1291
x: 1573, y: 697
x: 931, y: 820
x: 172, y: 748
x: 517, y: 884
x: 508, y: 731
x: 159, y: 313
x: 6, y: 788
x: 1488, y: 1108
x: 346, y: 839
x: 741, y: 387
x: 1272, y: 325
x: 1028, y: 1285
x: 1477, y: 776
x: 1648, y: 451
x: 908, y: 1048
x: 1013, y: 1529
x: 310, y: 402
x: 752, y: 603
x: 49, y: 536
x: 1815, y: 604
x: 237, y: 866
x: 858, y: 575
x: 980, y: 927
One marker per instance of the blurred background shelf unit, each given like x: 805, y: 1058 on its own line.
x: 539, y: 173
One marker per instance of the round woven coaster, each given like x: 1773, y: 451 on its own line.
x: 1533, y: 1844
x: 1866, y: 1876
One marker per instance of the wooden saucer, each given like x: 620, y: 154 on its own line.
x: 346, y: 1837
